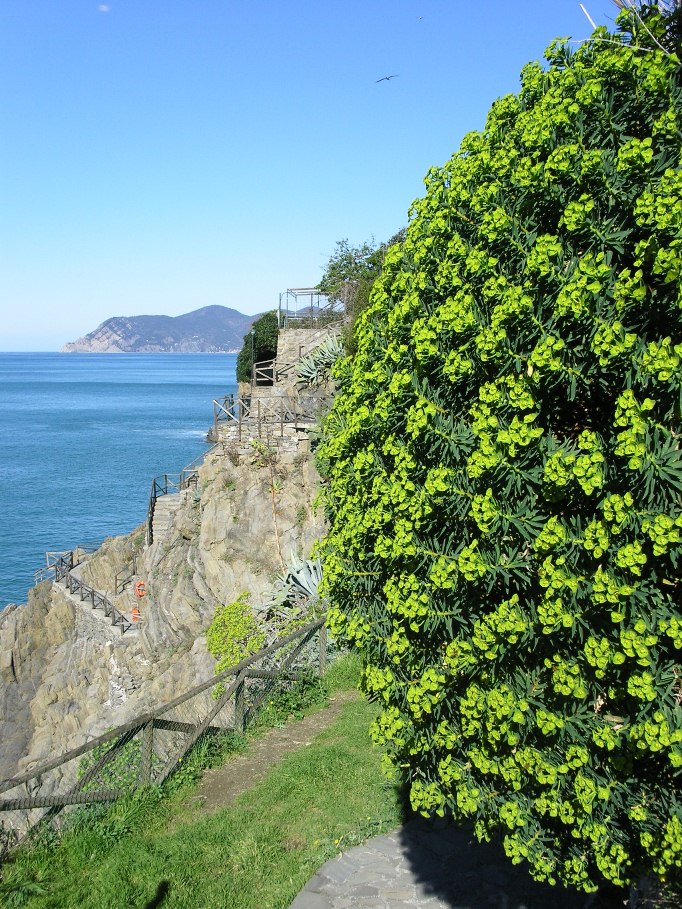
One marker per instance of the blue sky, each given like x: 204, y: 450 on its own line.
x: 157, y: 156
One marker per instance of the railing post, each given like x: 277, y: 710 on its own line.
x: 239, y: 703
x: 259, y: 426
x: 145, y: 775
x: 281, y: 418
x: 322, y: 644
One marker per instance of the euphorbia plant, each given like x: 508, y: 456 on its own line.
x: 504, y: 472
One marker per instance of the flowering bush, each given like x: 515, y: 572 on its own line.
x: 505, y: 474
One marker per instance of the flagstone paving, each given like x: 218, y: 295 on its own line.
x: 430, y: 865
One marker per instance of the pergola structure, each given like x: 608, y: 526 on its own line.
x: 307, y: 307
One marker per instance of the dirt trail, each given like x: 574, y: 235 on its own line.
x: 221, y: 786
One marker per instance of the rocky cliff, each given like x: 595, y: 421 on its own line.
x: 211, y: 329
x: 66, y: 674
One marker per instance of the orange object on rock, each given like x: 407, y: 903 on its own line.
x: 135, y: 615
x: 139, y: 588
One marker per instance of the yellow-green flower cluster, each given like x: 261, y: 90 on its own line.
x: 503, y: 475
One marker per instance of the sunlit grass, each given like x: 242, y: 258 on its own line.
x: 259, y: 853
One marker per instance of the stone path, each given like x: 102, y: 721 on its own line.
x: 430, y: 865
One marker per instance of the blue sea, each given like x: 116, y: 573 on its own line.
x: 81, y: 438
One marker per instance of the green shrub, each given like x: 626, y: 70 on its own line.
x: 233, y: 633
x: 505, y: 474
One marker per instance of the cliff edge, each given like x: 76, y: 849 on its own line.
x: 67, y: 674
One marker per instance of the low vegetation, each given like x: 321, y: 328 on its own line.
x: 257, y: 854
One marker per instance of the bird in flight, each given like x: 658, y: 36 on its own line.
x: 386, y: 78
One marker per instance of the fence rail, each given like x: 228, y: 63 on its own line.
x: 47, y: 572
x: 149, y: 748
x: 270, y: 372
x: 263, y: 417
x: 168, y: 483
x: 63, y: 571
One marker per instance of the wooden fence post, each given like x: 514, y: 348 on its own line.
x: 239, y: 704
x: 145, y: 776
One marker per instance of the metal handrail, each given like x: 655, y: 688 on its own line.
x: 161, y: 486
x: 47, y: 572
x: 177, y: 482
x: 63, y: 572
x: 125, y: 579
x: 319, y: 310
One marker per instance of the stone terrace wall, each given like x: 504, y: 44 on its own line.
x: 294, y: 343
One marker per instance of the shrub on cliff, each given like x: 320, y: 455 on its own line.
x: 348, y: 278
x: 505, y: 474
x: 233, y: 634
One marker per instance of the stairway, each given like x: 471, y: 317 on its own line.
x: 80, y: 592
x: 164, y: 515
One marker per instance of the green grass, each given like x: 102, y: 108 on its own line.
x: 259, y: 853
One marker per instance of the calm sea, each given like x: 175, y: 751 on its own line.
x: 81, y: 438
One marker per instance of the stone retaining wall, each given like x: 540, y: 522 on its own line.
x: 287, y: 446
x: 294, y: 343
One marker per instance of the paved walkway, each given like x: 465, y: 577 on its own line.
x: 430, y: 865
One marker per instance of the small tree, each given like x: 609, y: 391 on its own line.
x: 349, y: 275
x: 259, y: 344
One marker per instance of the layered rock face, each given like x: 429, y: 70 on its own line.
x: 66, y: 674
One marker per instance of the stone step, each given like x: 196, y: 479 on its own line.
x: 86, y: 603
x: 164, y: 515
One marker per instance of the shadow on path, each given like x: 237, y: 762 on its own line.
x: 159, y: 897
x: 434, y: 865
x: 448, y: 863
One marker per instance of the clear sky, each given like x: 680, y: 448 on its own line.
x: 157, y: 156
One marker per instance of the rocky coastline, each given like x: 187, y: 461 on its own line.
x: 67, y: 674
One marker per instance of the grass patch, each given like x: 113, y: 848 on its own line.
x: 344, y: 673
x: 148, y: 851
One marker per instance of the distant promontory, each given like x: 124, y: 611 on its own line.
x: 211, y: 329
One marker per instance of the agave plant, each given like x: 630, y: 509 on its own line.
x: 295, y: 593
x: 314, y: 368
x: 301, y: 581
